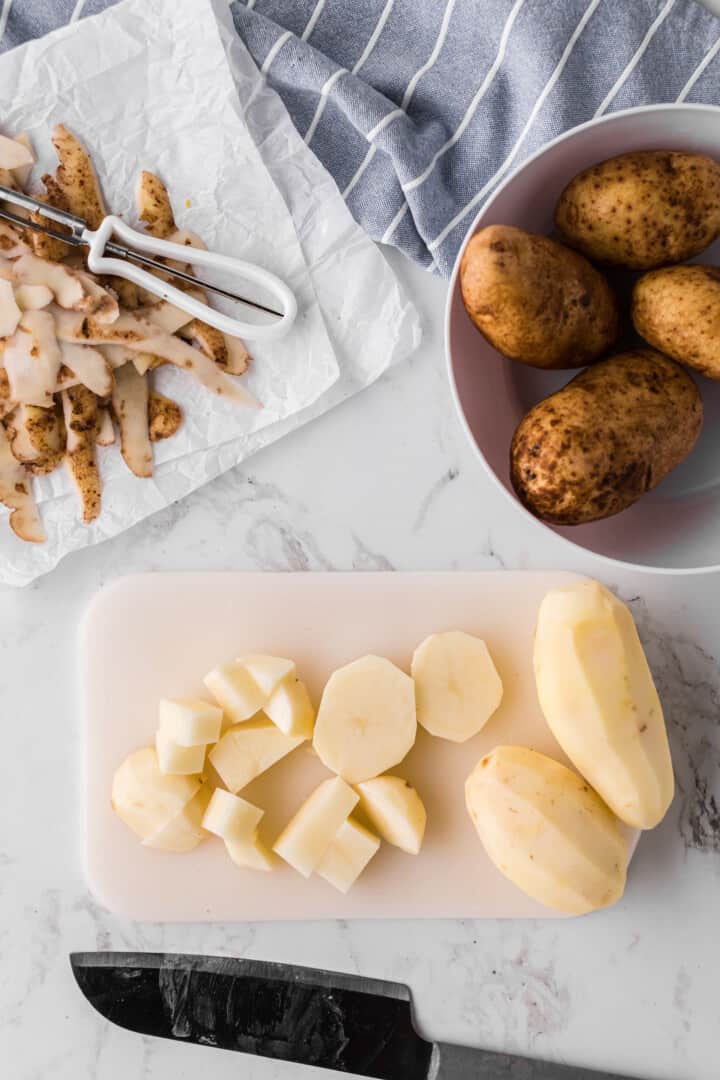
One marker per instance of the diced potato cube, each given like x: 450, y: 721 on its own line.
x: 252, y: 855
x: 231, y: 818
x: 178, y: 760
x: 309, y: 834
x: 348, y: 855
x: 144, y: 797
x: 184, y: 831
x: 190, y: 721
x: 290, y: 708
x: 235, y: 691
x: 248, y: 749
x: 267, y: 671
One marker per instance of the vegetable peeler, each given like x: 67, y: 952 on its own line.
x: 137, y: 247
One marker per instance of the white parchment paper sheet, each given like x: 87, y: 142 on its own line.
x: 144, y: 89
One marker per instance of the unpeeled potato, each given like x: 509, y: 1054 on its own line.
x: 535, y: 300
x: 613, y: 433
x: 642, y: 209
x: 677, y: 309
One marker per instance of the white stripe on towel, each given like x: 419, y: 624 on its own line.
x: 654, y: 26
x: 320, y: 107
x: 429, y: 63
x: 4, y: 15
x: 472, y: 108
x: 374, y: 37
x: 435, y: 244
x: 77, y: 11
x: 312, y: 21
x: 274, y: 51
x: 710, y: 55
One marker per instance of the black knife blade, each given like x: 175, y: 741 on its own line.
x: 348, y: 1023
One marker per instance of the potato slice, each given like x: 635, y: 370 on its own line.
x: 395, y: 809
x: 348, y: 855
x: 153, y: 204
x: 32, y: 359
x: 106, y: 431
x: 178, y: 760
x: 144, y: 797
x: 457, y: 687
x: 206, y: 338
x: 235, y: 691
x: 267, y: 672
x: 80, y: 409
x: 366, y: 720
x: 33, y: 297
x: 290, y: 708
x: 130, y: 406
x: 10, y: 313
x: 599, y: 699
x: 231, y: 818
x: 77, y: 178
x: 184, y: 831
x: 14, y: 154
x: 16, y: 494
x: 546, y: 830
x: 309, y: 834
x: 85, y: 365
x: 253, y: 855
x: 164, y: 416
x: 249, y: 749
x: 190, y: 721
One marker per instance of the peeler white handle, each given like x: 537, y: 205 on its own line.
x: 100, y: 263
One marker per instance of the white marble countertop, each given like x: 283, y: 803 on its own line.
x: 385, y: 481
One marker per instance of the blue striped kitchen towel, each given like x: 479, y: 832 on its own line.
x: 419, y: 108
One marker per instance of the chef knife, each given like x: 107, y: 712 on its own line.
x: 343, y: 1022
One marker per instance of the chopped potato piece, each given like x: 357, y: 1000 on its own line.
x: 190, y: 721
x: 457, y: 686
x: 396, y: 810
x: 77, y: 177
x: 165, y: 416
x: 232, y: 818
x: 130, y: 406
x: 311, y: 831
x: 80, y: 408
x: 267, y: 671
x: 235, y: 691
x: 249, y: 749
x: 348, y: 855
x: 290, y: 708
x: 178, y: 760
x: 147, y: 799
x: 251, y: 856
x: 153, y: 203
x: 184, y: 831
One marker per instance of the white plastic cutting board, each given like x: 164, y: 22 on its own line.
x: 155, y: 635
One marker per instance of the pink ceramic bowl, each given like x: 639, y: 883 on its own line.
x: 675, y: 528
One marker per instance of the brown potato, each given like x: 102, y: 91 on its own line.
x: 536, y: 301
x: 594, y: 447
x: 678, y: 311
x: 642, y: 210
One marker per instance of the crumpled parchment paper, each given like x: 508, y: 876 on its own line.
x: 144, y: 87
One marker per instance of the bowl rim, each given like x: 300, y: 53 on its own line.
x: 609, y: 560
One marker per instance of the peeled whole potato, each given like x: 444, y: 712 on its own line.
x: 677, y: 310
x: 535, y: 300
x: 643, y: 209
x: 614, y: 432
x: 546, y: 830
x: 599, y: 699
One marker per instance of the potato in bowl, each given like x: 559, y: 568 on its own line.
x: 677, y: 310
x: 601, y: 442
x: 535, y: 300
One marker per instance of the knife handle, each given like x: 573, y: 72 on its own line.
x: 465, y: 1063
